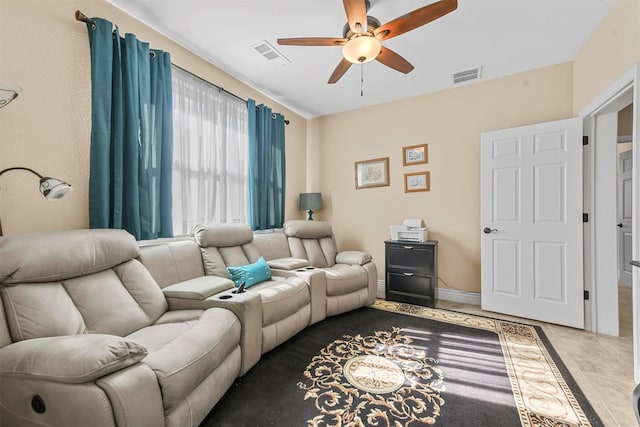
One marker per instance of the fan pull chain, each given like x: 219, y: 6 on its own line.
x: 361, y: 79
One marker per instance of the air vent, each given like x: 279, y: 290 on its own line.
x: 466, y: 75
x: 272, y: 54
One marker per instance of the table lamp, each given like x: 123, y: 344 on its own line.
x: 310, y: 202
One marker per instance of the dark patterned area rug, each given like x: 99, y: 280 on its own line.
x: 403, y: 365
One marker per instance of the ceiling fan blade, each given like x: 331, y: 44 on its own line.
x: 415, y: 19
x: 393, y: 60
x: 356, y: 14
x: 312, y: 41
x: 342, y: 68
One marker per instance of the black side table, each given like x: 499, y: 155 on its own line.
x: 411, y: 272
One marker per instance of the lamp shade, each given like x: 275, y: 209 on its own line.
x: 8, y: 92
x: 310, y: 201
x: 53, y: 188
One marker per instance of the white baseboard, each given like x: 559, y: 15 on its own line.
x: 454, y: 295
x: 380, y: 290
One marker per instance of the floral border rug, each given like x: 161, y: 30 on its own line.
x: 397, y: 364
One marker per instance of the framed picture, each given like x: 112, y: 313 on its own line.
x: 415, y: 155
x: 417, y: 181
x: 372, y: 173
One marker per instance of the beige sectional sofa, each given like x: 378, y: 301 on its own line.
x: 96, y: 329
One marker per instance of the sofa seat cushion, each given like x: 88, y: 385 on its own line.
x: 184, y: 352
x: 343, y: 279
x: 281, y: 298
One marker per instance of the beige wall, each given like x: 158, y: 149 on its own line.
x: 612, y: 49
x: 450, y: 122
x: 625, y: 121
x: 47, y: 128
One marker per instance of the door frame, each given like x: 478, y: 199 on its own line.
x: 597, y: 123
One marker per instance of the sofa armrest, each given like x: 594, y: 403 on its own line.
x: 135, y: 396
x: 247, y: 307
x: 288, y: 263
x: 353, y: 257
x: 199, y: 288
x: 72, y: 359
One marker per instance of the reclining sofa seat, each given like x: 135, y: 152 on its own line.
x: 285, y: 299
x: 351, y: 275
x: 176, y: 265
x: 86, y: 338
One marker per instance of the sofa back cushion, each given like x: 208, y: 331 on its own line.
x: 5, y: 335
x: 225, y: 245
x: 172, y: 261
x: 219, y: 235
x: 313, y: 241
x: 76, y: 282
x: 55, y: 255
x: 41, y: 310
x: 272, y: 245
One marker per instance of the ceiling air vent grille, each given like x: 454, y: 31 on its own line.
x: 272, y: 54
x: 466, y: 75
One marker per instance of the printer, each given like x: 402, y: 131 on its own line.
x: 411, y: 230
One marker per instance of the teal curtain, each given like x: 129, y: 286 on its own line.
x: 131, y: 134
x: 267, y: 167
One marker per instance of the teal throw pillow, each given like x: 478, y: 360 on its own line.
x: 250, y: 274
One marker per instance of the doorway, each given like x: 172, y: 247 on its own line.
x: 624, y: 194
x: 600, y: 160
x: 601, y: 204
x: 624, y: 190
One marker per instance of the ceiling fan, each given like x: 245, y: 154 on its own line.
x: 363, y: 35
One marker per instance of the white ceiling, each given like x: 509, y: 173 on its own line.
x: 501, y: 36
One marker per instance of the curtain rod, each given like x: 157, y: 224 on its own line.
x: 218, y: 87
x: 83, y: 18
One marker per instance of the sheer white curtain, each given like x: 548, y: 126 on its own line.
x: 210, y: 152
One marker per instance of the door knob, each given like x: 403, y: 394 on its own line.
x: 488, y: 230
x: 620, y: 225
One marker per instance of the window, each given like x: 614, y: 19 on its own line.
x: 210, y: 154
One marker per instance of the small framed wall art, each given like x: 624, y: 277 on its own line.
x: 415, y: 154
x: 416, y: 181
x: 372, y: 173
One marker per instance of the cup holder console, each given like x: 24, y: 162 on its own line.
x: 226, y: 296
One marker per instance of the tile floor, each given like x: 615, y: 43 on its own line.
x: 601, y: 365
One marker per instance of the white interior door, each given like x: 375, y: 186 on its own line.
x: 624, y: 186
x: 531, y: 184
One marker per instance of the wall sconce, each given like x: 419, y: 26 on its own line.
x: 51, y: 188
x: 8, y: 92
x: 310, y: 202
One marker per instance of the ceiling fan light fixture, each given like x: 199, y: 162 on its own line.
x: 362, y: 35
x: 361, y: 49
